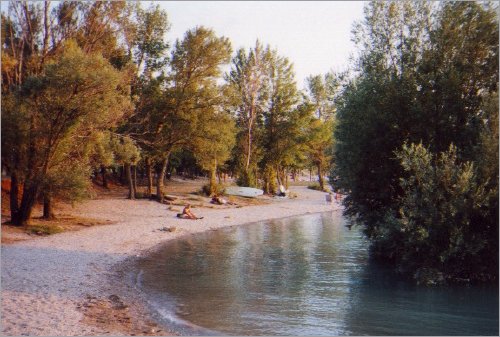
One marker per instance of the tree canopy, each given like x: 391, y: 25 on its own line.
x: 410, y: 125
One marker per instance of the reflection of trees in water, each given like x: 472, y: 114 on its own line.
x: 284, y: 270
x: 382, y: 303
x: 303, y: 273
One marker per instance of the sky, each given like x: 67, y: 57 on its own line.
x: 314, y: 35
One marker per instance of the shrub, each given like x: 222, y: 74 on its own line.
x: 317, y: 187
x: 215, y: 189
x: 44, y: 229
x: 438, y: 229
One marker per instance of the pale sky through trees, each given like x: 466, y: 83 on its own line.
x: 314, y: 35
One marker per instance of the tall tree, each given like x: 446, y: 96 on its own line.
x: 321, y: 92
x: 248, y: 76
x: 423, y: 74
x: 213, y: 146
x: 279, y: 136
x: 175, y: 113
x: 52, y: 108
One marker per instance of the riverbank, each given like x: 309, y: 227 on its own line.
x: 65, y: 284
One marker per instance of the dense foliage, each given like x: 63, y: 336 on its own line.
x: 409, y: 134
x: 411, y: 150
x: 90, y: 88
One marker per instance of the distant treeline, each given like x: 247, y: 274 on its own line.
x: 417, y: 138
x: 93, y: 87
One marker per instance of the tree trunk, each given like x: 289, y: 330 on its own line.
x: 213, y: 178
x: 249, y: 144
x: 103, y: 174
x: 14, y: 198
x: 134, y: 177
x: 131, y: 191
x: 159, y: 179
x: 122, y: 175
x: 320, y: 178
x: 48, y: 211
x: 149, y: 172
x: 30, y: 194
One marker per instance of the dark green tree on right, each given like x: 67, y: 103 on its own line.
x: 416, y: 139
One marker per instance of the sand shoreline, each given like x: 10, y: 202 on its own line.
x: 66, y: 284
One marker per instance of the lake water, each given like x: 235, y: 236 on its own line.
x: 307, y: 275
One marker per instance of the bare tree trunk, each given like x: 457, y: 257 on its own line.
x: 45, y: 34
x: 149, y: 172
x: 48, y: 211
x: 14, y: 195
x: 249, y: 144
x: 320, y: 177
x: 159, y: 179
x: 30, y: 192
x: 103, y: 174
x: 134, y: 177
x: 131, y: 191
x: 122, y: 175
x: 213, y: 181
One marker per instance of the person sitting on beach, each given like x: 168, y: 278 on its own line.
x: 187, y: 214
x: 282, y: 191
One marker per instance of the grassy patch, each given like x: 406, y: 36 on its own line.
x: 315, y: 187
x: 44, y: 229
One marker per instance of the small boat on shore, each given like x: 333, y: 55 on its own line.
x: 248, y: 192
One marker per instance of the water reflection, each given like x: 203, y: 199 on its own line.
x: 303, y: 276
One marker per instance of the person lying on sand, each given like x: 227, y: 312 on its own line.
x: 187, y: 214
x: 218, y: 200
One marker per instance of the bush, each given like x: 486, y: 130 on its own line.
x: 247, y: 179
x: 215, y: 189
x: 44, y: 229
x: 316, y: 187
x: 438, y: 231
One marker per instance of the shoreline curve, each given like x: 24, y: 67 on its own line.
x: 66, y: 284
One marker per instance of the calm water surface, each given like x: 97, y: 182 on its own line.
x: 306, y: 275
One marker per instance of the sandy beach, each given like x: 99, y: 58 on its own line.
x: 66, y: 284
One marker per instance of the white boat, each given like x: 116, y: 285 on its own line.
x: 248, y: 192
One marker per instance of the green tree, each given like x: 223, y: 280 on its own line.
x: 248, y: 77
x: 422, y: 77
x: 174, y: 113
x: 321, y: 94
x: 147, y: 50
x: 436, y: 235
x: 127, y: 154
x: 72, y: 98
x: 280, y: 132
x: 319, y: 144
x: 213, y: 147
